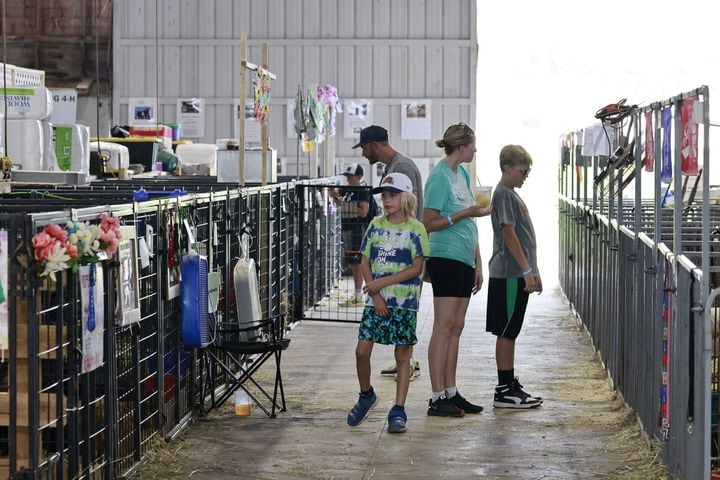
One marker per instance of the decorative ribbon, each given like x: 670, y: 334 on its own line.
x: 649, y: 159
x: 91, y: 300
x: 171, y: 245
x: 689, y: 142
x: 666, y: 172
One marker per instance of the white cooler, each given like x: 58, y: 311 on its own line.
x: 228, y: 167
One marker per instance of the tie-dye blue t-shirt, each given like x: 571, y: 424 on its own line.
x: 391, y: 248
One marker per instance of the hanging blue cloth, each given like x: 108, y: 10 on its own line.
x: 666, y: 173
x: 91, y: 300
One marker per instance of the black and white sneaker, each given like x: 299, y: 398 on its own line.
x: 509, y: 396
x: 519, y: 388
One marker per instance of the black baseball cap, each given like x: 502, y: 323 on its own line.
x: 373, y: 133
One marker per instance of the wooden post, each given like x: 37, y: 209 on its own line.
x: 241, y: 136
x: 244, y: 67
x: 263, y: 127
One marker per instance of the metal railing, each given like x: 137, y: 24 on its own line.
x: 64, y: 424
x: 638, y: 276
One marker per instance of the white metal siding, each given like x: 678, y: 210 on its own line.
x: 384, y: 50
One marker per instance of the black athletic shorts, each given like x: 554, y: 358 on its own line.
x: 450, y: 278
x: 507, y: 300
x: 352, y: 236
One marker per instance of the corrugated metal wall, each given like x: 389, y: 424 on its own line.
x: 384, y: 50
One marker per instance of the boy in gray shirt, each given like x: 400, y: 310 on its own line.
x: 514, y: 274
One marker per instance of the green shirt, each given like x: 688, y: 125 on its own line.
x: 449, y: 192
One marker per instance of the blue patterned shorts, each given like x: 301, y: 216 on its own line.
x: 397, y: 329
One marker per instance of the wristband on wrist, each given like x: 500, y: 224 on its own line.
x: 449, y: 218
x: 527, y: 272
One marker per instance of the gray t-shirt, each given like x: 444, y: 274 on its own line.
x: 509, y: 209
x: 404, y: 164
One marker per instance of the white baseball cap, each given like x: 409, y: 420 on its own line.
x: 353, y: 170
x: 395, y: 182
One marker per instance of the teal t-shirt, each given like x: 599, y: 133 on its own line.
x: 449, y: 192
x: 391, y: 248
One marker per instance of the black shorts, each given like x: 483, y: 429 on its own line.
x: 352, y: 236
x: 507, y: 300
x: 450, y: 278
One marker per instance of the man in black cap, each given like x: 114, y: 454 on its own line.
x: 376, y: 148
x: 357, y: 208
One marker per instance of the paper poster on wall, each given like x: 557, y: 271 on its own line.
x: 93, y: 313
x: 358, y: 114
x: 191, y: 117
x: 142, y: 110
x: 4, y: 290
x: 253, y: 133
x: 64, y: 106
x: 416, y: 120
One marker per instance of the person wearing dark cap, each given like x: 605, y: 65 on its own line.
x: 357, y: 208
x: 376, y: 148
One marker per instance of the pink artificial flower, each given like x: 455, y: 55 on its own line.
x: 40, y: 241
x: 111, y: 243
x: 45, y: 253
x: 56, y: 231
x: 109, y: 223
x: 71, y: 250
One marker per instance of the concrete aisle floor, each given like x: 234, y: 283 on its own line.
x: 582, y: 431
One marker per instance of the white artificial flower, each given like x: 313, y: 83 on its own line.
x: 56, y: 263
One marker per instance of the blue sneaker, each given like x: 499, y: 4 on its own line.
x: 397, y: 420
x: 361, y: 409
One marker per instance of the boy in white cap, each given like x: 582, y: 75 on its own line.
x: 393, y: 253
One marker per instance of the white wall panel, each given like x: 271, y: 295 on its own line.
x: 385, y: 50
x: 346, y: 18
x: 399, y: 16
x: 276, y: 20
x: 224, y: 15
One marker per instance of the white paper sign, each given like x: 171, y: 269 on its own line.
x: 4, y: 290
x: 191, y: 117
x: 596, y: 141
x: 92, y: 318
x: 64, y: 106
x: 416, y: 120
x: 357, y: 114
x: 142, y: 111
x: 253, y: 133
x: 128, y: 295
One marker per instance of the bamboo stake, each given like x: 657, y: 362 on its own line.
x: 263, y: 128
x: 241, y: 137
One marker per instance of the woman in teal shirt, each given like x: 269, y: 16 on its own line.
x: 454, y: 265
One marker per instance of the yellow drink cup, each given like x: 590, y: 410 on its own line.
x: 483, y: 196
x: 243, y: 404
